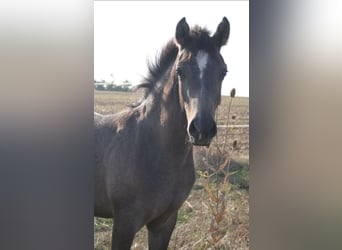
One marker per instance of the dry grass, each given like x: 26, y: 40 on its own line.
x: 216, y: 214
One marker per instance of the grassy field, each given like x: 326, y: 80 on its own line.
x: 216, y: 214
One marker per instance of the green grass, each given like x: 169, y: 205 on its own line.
x: 193, y: 229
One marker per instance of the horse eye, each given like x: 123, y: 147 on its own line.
x: 180, y: 72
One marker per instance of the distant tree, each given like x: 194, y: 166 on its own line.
x: 110, y: 87
x: 100, y: 87
x: 113, y: 78
x: 113, y: 87
x: 126, y: 85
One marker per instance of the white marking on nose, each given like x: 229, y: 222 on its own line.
x: 202, y: 60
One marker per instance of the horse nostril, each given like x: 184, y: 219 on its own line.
x: 193, y: 128
x: 202, y: 131
x: 213, y: 130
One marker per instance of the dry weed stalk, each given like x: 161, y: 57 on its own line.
x: 217, y: 202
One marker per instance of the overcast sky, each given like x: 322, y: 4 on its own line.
x: 127, y: 33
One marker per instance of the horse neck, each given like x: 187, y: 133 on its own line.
x: 169, y: 112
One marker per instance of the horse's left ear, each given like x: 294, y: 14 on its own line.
x: 222, y: 33
x: 182, y: 32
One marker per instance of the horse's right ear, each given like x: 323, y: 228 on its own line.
x: 182, y: 32
x: 222, y: 33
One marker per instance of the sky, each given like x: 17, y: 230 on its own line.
x: 128, y: 33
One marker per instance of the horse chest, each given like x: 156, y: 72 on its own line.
x: 169, y: 190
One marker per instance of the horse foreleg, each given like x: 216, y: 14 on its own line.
x: 123, y: 233
x: 159, y: 232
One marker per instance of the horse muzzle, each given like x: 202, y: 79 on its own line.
x: 202, y: 131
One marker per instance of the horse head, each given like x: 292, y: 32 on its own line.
x: 200, y: 70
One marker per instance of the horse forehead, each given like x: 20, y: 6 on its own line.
x: 202, y: 61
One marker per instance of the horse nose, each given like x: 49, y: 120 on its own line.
x: 201, y: 131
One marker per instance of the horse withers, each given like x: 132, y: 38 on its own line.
x: 144, y: 160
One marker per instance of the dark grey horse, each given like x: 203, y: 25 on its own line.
x: 144, y: 161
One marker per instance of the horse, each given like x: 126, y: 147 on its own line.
x: 144, y: 154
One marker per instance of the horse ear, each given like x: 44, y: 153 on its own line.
x: 182, y: 32
x: 222, y: 33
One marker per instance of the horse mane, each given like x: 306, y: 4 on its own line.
x: 200, y: 39
x: 157, y: 67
